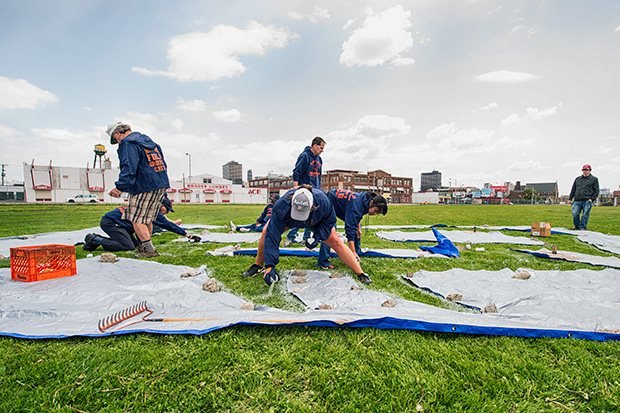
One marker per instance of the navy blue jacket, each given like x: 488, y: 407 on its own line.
x: 350, y: 207
x: 142, y: 165
x: 266, y: 215
x: 321, y: 220
x: 308, y: 169
x: 116, y: 216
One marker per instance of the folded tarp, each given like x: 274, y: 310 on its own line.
x: 235, y: 238
x: 188, y: 227
x: 581, y: 299
x: 456, y: 236
x: 605, y: 242
x: 612, y: 262
x: 380, y: 253
x: 81, y: 304
x: 444, y: 246
x: 522, y: 228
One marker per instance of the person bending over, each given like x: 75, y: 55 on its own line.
x: 305, y: 207
x: 351, y: 207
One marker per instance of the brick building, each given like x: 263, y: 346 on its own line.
x: 397, y: 190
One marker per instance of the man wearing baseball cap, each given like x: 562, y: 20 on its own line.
x: 584, y: 192
x: 304, y: 207
x: 144, y: 176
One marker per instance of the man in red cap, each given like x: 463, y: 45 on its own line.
x: 583, y: 193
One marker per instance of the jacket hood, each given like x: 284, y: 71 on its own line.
x: 308, y: 150
x: 140, y: 139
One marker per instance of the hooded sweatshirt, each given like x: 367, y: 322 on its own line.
x: 142, y: 164
x: 321, y: 220
x: 308, y: 169
x: 350, y: 207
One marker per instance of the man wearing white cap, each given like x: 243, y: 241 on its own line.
x: 305, y: 207
x: 144, y: 176
x: 584, y: 192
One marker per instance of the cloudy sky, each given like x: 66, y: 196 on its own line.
x: 482, y: 91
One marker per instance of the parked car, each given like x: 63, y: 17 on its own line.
x: 80, y: 199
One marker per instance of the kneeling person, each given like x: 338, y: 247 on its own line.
x: 121, y: 235
x: 305, y: 207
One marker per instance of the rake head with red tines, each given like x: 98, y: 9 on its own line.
x: 121, y: 316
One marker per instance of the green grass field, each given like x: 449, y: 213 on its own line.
x: 257, y: 369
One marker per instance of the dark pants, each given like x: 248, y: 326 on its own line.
x: 120, y: 239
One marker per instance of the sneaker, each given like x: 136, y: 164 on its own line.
x: 244, y: 229
x: 88, y: 239
x: 89, y: 247
x: 364, y: 278
x: 233, y: 227
x: 147, y: 254
x: 287, y: 243
x: 271, y: 275
x: 328, y: 266
x: 252, y: 271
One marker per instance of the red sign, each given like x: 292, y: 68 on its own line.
x: 502, y: 188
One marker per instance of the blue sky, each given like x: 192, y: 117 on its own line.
x: 482, y: 91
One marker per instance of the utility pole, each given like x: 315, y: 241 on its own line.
x: 3, y: 173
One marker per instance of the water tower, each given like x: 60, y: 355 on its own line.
x: 99, y: 152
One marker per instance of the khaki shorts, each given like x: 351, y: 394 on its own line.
x: 143, y: 208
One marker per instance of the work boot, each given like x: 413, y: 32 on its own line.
x: 147, y: 254
x: 140, y: 248
x: 252, y: 271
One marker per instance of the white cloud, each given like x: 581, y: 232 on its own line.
x: 506, y: 76
x: 511, y: 120
x: 194, y: 105
x: 317, y: 14
x: 601, y: 149
x: 231, y: 116
x: 526, y: 165
x: 382, y: 38
x: 448, y: 137
x: 531, y: 114
x: 618, y: 28
x: 21, y: 94
x: 210, y: 56
x: 490, y: 106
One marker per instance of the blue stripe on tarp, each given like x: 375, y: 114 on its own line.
x: 382, y: 323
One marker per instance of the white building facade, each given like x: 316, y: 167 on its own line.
x: 55, y: 184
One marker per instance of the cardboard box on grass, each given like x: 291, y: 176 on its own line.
x: 541, y: 229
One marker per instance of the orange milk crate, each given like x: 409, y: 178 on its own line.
x: 42, y: 262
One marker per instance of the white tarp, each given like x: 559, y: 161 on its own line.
x: 75, y: 306
x: 612, y: 262
x: 581, y: 299
x: 457, y: 236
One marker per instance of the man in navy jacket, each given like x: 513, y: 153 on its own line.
x: 351, y: 207
x: 121, y: 234
x: 143, y: 176
x: 304, y: 207
x: 307, y: 171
